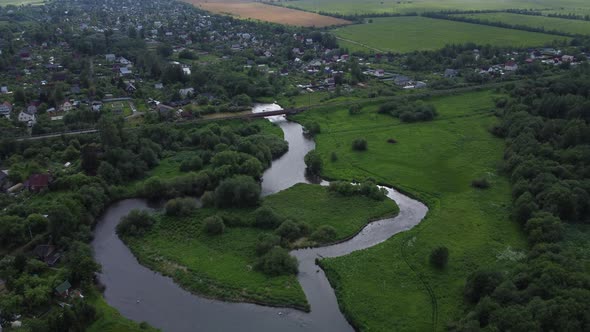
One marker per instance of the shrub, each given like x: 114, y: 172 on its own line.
x: 481, y: 283
x: 312, y: 128
x: 289, y: 230
x: 480, y: 183
x: 391, y: 141
x: 208, y: 199
x: 314, y: 163
x: 359, y: 144
x: 324, y: 234
x: 136, y: 223
x: 181, y: 206
x: 214, y: 225
x: 333, y: 157
x: 266, y: 218
x: 277, y: 262
x: 266, y: 242
x: 439, y: 257
x: 191, y: 164
x: 238, y: 191
x: 355, y: 109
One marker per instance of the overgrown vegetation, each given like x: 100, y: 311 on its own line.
x: 546, y: 126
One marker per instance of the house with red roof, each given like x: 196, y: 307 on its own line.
x: 38, y: 182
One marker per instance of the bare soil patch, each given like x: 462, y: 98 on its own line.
x: 268, y: 13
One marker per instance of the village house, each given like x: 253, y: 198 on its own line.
x: 5, y: 109
x: 66, y: 106
x: 510, y: 66
x: 37, y: 182
x: 63, y: 290
x: 30, y: 119
x: 110, y: 57
x: 451, y: 73
x: 47, y: 254
x: 186, y: 92
x: 568, y: 58
x: 4, y: 181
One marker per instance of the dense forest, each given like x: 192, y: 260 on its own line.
x: 547, y: 158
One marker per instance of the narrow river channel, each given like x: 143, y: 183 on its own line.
x: 144, y: 295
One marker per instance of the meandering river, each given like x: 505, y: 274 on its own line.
x: 144, y: 295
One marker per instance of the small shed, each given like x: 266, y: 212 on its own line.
x: 63, y: 289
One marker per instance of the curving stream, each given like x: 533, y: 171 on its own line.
x: 144, y: 295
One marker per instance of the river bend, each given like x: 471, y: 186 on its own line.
x: 141, y: 294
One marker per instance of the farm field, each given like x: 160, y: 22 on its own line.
x: 547, y: 23
x: 416, y: 33
x: 352, y: 7
x: 178, y: 247
x: 436, y: 162
x: 268, y: 13
x: 20, y: 2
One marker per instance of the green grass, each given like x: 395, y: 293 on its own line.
x: 119, y: 106
x: 313, y: 205
x: 21, y: 2
x: 415, y: 33
x: 548, y: 23
x: 221, y: 266
x: 379, y: 289
x: 350, y: 7
x: 110, y: 320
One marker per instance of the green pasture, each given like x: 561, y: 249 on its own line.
x: 367, y: 7
x: 392, y: 287
x: 21, y: 2
x: 416, y: 33
x: 222, y: 266
x: 547, y: 23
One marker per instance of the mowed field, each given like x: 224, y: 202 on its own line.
x: 416, y: 33
x: 268, y: 13
x: 21, y: 2
x: 350, y: 7
x: 380, y: 288
x: 547, y: 23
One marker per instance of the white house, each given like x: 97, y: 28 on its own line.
x: 66, y: 106
x: 28, y: 118
x: 5, y: 109
x: 511, y: 66
x: 185, y: 92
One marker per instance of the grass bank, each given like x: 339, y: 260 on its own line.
x: 392, y: 286
x: 110, y: 320
x: 222, y: 266
x: 417, y: 33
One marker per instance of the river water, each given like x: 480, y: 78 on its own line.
x: 144, y: 295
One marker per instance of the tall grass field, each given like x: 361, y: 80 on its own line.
x: 392, y: 286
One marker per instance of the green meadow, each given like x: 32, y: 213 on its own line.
x: 392, y: 286
x: 547, y: 23
x: 21, y: 2
x: 416, y: 33
x: 222, y: 266
x: 351, y: 7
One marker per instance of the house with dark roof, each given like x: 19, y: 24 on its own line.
x: 47, y: 253
x: 38, y: 182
